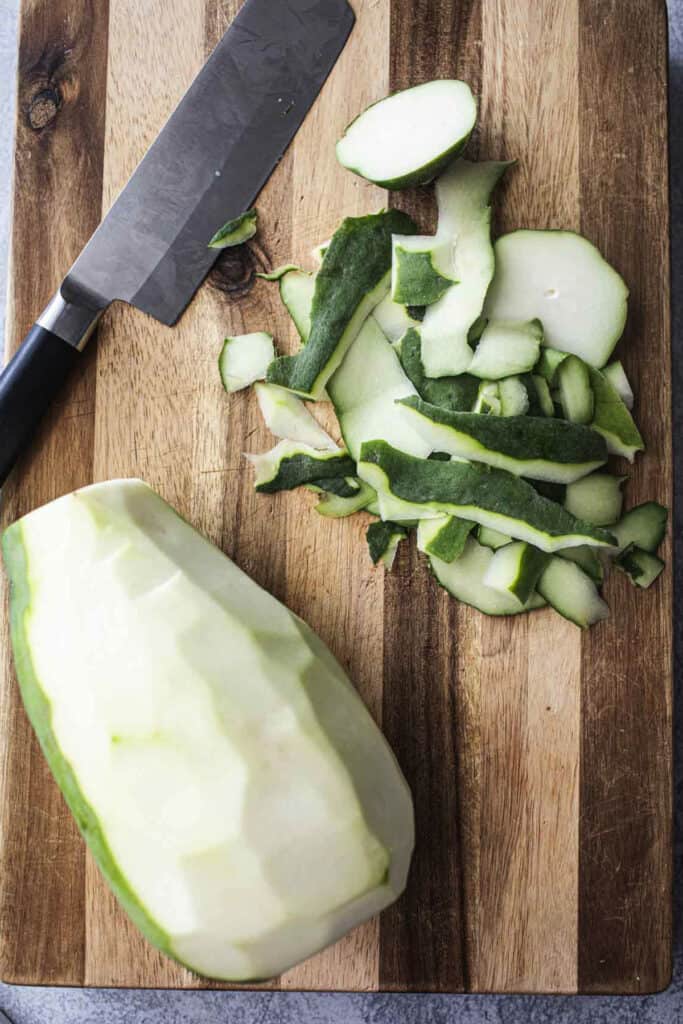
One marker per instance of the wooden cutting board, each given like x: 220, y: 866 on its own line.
x: 539, y: 757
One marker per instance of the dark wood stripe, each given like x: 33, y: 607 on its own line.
x: 437, y: 39
x: 423, y: 938
x: 58, y: 165
x: 625, y: 830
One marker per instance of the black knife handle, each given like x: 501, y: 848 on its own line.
x: 28, y: 385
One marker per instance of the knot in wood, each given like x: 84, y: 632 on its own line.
x: 49, y: 81
x: 235, y: 271
x: 43, y: 108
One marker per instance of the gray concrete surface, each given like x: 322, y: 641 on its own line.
x: 74, y: 1006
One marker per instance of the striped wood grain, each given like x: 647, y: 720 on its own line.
x: 625, y: 901
x: 540, y: 759
x: 57, y: 172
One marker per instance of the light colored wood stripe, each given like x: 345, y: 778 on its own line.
x: 146, y: 376
x: 529, y: 699
x: 499, y: 672
x: 345, y: 604
x: 553, y: 738
x: 469, y: 750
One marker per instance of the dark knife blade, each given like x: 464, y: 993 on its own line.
x: 206, y: 167
x: 213, y: 156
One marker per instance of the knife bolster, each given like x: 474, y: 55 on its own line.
x: 73, y: 322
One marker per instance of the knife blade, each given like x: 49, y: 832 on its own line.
x: 206, y: 166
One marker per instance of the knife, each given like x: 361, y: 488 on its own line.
x: 206, y: 167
